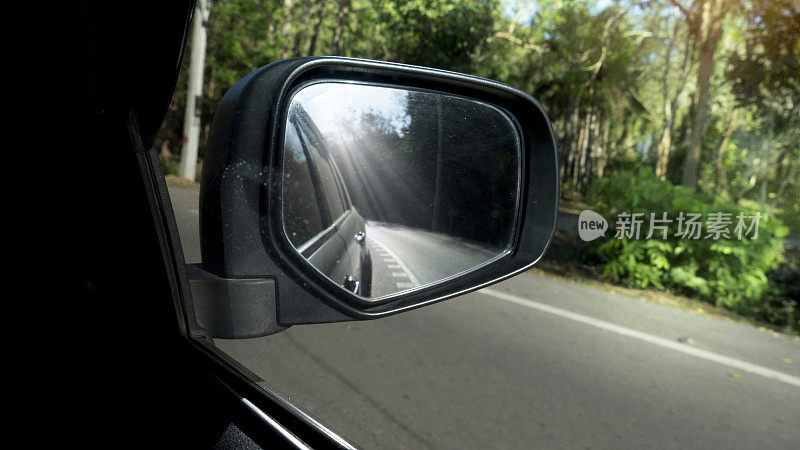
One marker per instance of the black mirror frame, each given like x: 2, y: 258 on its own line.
x: 240, y: 218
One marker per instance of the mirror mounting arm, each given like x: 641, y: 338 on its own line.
x: 233, y: 308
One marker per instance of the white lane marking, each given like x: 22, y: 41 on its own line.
x: 646, y: 337
x: 405, y: 285
x: 393, y: 266
x: 399, y: 274
x: 399, y: 262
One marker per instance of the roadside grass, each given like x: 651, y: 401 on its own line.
x: 572, y: 206
x: 564, y: 261
x: 174, y: 180
x: 170, y: 164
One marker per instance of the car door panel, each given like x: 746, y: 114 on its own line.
x: 331, y: 256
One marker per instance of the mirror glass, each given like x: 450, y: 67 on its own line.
x: 387, y: 189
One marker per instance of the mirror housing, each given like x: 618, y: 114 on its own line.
x: 241, y: 232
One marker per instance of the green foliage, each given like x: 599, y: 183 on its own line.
x: 731, y: 273
x: 784, y: 301
x: 244, y: 35
x: 437, y: 33
x: 170, y: 164
x: 766, y: 74
x: 613, y: 79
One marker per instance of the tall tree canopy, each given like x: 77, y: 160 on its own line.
x: 703, y: 91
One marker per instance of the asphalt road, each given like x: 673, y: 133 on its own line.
x: 534, y: 362
x: 405, y: 258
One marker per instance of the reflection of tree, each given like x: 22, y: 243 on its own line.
x: 371, y: 152
x: 478, y: 176
x: 391, y: 170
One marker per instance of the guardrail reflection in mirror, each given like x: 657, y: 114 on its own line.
x: 386, y: 189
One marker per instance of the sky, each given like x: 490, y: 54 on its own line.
x: 512, y: 6
x: 349, y: 101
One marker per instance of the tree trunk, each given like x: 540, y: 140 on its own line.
x: 709, y: 31
x: 312, y: 47
x: 623, y: 136
x: 566, y: 138
x: 662, y: 152
x: 784, y: 183
x: 719, y: 161
x: 338, y: 29
x: 663, y: 146
x: 762, y: 197
x: 302, y: 26
x: 603, y: 156
x: 578, y: 151
x: 286, y: 27
x: 586, y: 170
x: 569, y: 142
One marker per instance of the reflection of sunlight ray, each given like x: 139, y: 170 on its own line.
x: 320, y: 100
x: 402, y: 162
x: 368, y: 125
x: 384, y: 185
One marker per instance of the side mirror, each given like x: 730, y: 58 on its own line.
x: 341, y: 189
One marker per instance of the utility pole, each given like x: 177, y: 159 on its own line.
x: 194, y: 91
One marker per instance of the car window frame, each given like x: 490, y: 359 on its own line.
x: 322, y: 207
x: 324, y: 153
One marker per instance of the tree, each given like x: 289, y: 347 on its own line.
x: 765, y: 76
x: 673, y: 86
x: 589, y: 78
x: 705, y: 20
x: 438, y: 33
x: 344, y: 9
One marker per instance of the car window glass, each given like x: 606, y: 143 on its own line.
x: 678, y: 226
x: 329, y: 182
x: 301, y: 206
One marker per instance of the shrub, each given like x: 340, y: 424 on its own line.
x: 731, y: 273
x: 784, y: 301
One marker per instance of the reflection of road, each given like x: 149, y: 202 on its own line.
x: 403, y: 258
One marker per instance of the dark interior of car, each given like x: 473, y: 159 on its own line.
x: 121, y: 371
